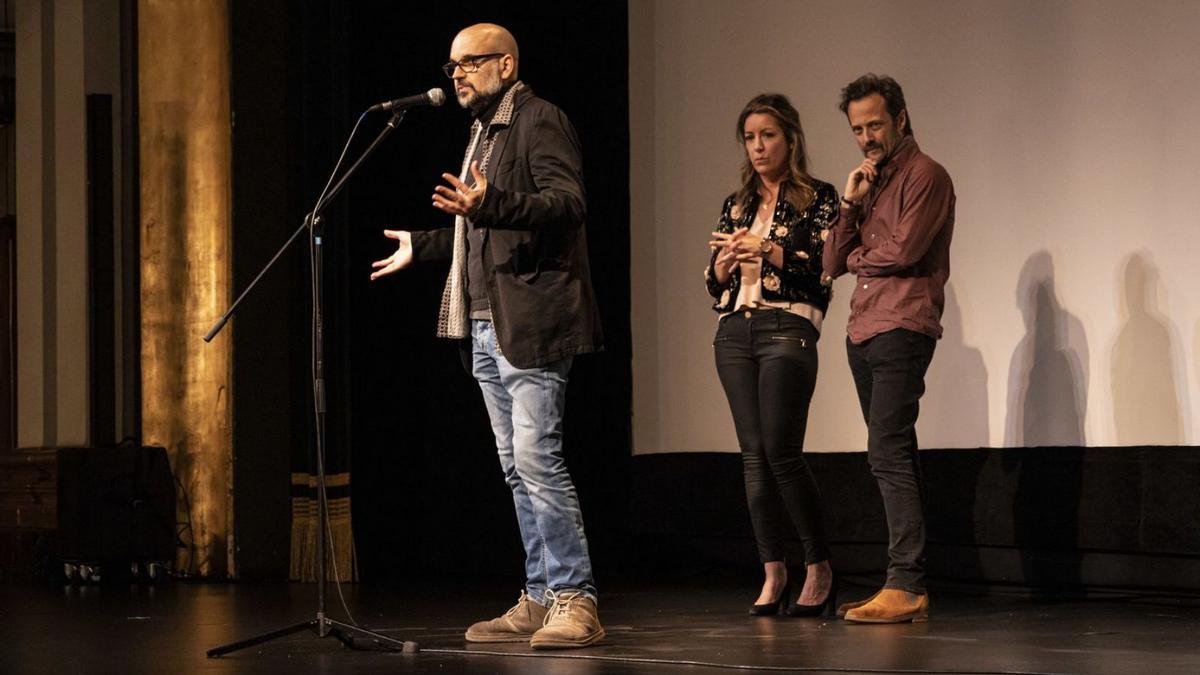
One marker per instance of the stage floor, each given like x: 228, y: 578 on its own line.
x: 664, y: 629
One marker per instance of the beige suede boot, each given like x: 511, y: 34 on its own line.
x: 573, y: 621
x: 516, y: 625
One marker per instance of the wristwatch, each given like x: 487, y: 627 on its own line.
x: 765, y: 247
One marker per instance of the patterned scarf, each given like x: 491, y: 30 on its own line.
x: 452, y: 315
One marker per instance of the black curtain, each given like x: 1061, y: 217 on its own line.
x: 429, y: 495
x: 405, y: 421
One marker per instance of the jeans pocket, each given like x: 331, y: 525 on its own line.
x: 919, y: 342
x: 791, y: 339
x: 722, y: 331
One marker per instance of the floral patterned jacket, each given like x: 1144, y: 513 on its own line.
x: 801, y: 234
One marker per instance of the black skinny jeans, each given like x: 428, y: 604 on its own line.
x: 767, y: 362
x: 889, y: 373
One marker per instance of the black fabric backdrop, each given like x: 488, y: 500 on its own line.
x: 428, y: 495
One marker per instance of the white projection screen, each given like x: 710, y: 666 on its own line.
x: 1072, y: 133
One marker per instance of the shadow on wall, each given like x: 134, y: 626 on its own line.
x: 954, y: 414
x: 954, y: 410
x: 1047, y: 397
x: 1147, y: 392
x: 1047, y: 378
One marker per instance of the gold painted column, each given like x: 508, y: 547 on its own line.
x: 183, y: 105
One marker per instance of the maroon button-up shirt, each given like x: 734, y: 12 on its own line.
x: 898, y: 244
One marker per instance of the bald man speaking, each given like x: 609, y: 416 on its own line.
x: 519, y: 298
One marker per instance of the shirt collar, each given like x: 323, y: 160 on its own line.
x: 905, y: 150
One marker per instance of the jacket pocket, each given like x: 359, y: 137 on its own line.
x: 503, y: 173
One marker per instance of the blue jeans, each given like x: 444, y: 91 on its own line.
x: 526, y: 410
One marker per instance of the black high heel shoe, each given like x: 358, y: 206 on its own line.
x: 772, y: 608
x: 825, y: 607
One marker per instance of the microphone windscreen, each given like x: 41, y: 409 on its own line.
x: 436, y: 96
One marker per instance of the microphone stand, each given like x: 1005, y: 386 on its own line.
x: 320, y: 624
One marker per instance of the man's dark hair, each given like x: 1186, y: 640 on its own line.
x: 883, y: 85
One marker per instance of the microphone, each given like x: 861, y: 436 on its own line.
x: 433, y: 97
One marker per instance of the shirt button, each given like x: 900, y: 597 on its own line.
x: 864, y: 287
x: 747, y: 314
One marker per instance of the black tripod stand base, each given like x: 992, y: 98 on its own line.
x: 344, y: 632
x: 322, y: 626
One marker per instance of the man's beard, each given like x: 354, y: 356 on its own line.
x: 483, y: 95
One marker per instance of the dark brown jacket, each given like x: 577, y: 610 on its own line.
x: 534, y: 243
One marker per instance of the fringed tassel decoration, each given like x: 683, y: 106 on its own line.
x: 341, y: 561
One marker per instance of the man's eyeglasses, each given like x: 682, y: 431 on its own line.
x: 469, y: 64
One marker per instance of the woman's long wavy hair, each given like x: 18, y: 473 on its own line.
x: 797, y: 187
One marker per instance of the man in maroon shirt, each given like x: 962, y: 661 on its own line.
x: 893, y: 232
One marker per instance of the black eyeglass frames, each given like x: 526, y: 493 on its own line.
x: 469, y: 64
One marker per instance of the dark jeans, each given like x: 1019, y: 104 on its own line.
x: 889, y: 373
x: 767, y: 362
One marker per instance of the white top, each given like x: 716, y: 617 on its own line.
x: 750, y: 292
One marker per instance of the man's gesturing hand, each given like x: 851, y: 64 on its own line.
x: 458, y: 199
x: 398, y: 260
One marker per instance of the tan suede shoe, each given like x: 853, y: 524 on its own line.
x: 892, y: 605
x: 516, y: 625
x: 572, y: 622
x: 847, y: 606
